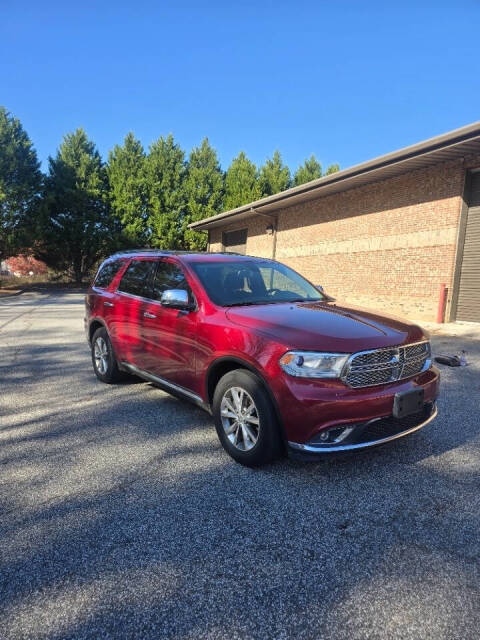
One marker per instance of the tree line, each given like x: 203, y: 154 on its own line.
x: 83, y: 208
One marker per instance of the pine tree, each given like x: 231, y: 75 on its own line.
x: 127, y: 192
x: 20, y: 184
x: 166, y: 173
x: 309, y: 170
x: 241, y: 182
x: 204, y: 192
x: 76, y: 226
x: 274, y: 175
x: 333, y: 168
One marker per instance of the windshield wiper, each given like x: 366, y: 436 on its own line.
x: 247, y: 303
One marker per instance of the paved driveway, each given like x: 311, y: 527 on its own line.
x: 121, y: 516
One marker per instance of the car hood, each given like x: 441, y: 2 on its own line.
x: 327, y: 326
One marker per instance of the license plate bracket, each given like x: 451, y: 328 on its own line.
x: 408, y: 402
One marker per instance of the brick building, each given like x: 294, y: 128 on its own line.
x: 384, y: 234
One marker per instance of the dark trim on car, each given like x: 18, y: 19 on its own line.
x: 90, y: 332
x: 247, y: 365
x: 170, y: 387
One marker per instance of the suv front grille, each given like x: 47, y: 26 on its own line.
x: 380, y: 366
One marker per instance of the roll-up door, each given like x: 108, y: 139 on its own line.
x: 468, y: 306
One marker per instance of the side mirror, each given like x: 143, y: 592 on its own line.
x: 175, y: 299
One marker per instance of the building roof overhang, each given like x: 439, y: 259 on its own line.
x: 453, y: 145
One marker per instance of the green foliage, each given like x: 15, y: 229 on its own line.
x: 241, y: 182
x: 75, y: 224
x: 127, y: 192
x: 274, y: 175
x: 20, y: 184
x: 166, y: 173
x: 83, y: 209
x: 309, y: 170
x: 333, y: 168
x: 204, y: 192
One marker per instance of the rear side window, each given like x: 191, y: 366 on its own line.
x: 137, y: 279
x: 107, y: 273
x: 169, y: 276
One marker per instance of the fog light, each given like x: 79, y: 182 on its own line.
x: 334, y: 435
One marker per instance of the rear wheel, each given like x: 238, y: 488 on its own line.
x: 245, y: 419
x: 103, y: 358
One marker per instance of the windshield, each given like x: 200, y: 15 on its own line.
x: 253, y: 282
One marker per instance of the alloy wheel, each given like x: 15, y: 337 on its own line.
x: 240, y: 418
x: 100, y: 353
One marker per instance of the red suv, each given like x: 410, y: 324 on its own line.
x: 278, y: 363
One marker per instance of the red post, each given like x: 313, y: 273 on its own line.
x: 441, y: 302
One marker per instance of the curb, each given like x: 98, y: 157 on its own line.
x: 11, y: 295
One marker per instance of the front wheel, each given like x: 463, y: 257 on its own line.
x: 245, y: 419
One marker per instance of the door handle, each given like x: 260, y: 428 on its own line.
x: 149, y: 315
x: 107, y: 304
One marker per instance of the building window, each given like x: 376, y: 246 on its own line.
x: 235, y: 241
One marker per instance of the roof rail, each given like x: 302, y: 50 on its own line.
x: 175, y: 252
x: 143, y: 250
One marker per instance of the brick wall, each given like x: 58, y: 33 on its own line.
x: 388, y: 245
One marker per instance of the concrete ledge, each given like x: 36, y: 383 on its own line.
x: 7, y: 293
x: 468, y: 329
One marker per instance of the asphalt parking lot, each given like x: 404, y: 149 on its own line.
x: 122, y: 517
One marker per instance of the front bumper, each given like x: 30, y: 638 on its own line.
x: 309, y: 407
x: 369, y: 434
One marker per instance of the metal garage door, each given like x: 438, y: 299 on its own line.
x: 235, y: 241
x: 468, y: 306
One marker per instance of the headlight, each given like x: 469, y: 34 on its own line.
x: 313, y: 364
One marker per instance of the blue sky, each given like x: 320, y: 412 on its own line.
x: 344, y: 80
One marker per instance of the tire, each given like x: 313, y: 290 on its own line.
x: 254, y: 441
x: 105, y: 367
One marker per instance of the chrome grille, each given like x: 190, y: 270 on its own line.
x: 380, y: 366
x: 419, y: 350
x: 382, y: 356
